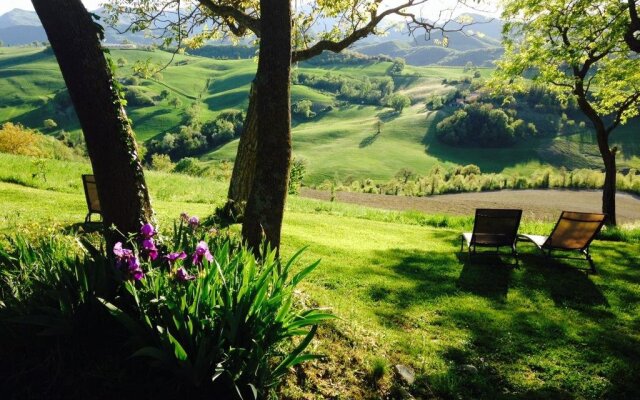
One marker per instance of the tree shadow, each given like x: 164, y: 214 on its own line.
x: 387, y: 115
x: 368, y: 141
x: 148, y: 116
x: 567, y: 284
x: 556, y: 326
x: 80, y: 228
x: 25, y: 59
x: 485, y: 275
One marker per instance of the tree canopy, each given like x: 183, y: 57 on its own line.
x: 578, y: 48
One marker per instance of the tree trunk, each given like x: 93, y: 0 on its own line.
x: 609, y: 187
x: 265, y: 207
x: 609, y: 191
x: 608, y: 156
x: 74, y: 37
x: 244, y: 167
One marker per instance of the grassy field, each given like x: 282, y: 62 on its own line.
x: 471, y: 329
x: 336, y: 144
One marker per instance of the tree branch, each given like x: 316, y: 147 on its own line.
x: 631, y: 100
x: 243, y: 20
x: 630, y: 37
x: 357, y: 34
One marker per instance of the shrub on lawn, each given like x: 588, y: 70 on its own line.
x: 16, y: 139
x: 197, y: 305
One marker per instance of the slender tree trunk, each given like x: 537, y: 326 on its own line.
x: 609, y: 187
x: 244, y: 167
x: 74, y: 37
x: 607, y: 154
x: 265, y: 207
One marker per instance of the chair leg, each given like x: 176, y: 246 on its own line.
x: 590, y: 260
x: 514, y: 253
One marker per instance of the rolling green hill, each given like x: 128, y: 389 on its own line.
x: 339, y: 142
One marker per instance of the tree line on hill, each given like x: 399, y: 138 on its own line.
x: 469, y: 178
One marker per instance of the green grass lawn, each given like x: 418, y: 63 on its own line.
x: 471, y: 329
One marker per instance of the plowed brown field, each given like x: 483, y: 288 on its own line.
x: 537, y: 204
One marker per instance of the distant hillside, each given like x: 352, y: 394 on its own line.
x: 479, y: 43
x: 338, y: 138
x: 20, y: 27
x: 18, y: 17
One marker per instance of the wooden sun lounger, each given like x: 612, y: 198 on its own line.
x: 91, y: 195
x: 574, y: 231
x: 493, y: 228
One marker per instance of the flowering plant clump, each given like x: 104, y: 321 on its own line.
x: 128, y: 262
x: 206, y: 309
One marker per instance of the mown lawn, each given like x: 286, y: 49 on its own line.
x: 404, y: 294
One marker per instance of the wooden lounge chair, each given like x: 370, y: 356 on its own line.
x: 91, y: 195
x: 493, y: 228
x: 574, y: 231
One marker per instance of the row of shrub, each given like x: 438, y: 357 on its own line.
x: 362, y: 90
x: 345, y: 57
x: 469, y: 178
x: 221, y: 170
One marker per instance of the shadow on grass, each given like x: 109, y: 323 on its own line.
x: 566, y: 282
x: 556, y: 329
x: 485, y: 275
x: 388, y: 115
x: 368, y: 141
x: 83, y: 228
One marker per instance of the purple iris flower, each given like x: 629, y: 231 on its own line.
x: 127, y: 262
x: 118, y: 251
x: 202, y: 251
x: 121, y: 253
x: 150, y: 247
x: 137, y: 274
x: 183, y: 276
x: 172, y: 257
x: 194, y: 222
x: 147, y: 230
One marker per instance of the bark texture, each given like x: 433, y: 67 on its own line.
x: 265, y: 207
x: 608, y: 155
x: 244, y: 167
x: 74, y: 37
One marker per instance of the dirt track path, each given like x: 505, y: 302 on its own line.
x: 537, y: 204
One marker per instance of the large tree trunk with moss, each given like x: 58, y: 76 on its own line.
x: 74, y: 37
x: 244, y: 167
x: 265, y: 207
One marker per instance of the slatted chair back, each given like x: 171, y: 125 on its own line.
x: 495, y: 227
x: 91, y: 195
x: 575, y: 230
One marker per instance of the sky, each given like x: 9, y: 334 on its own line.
x: 432, y: 5
x: 8, y: 5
